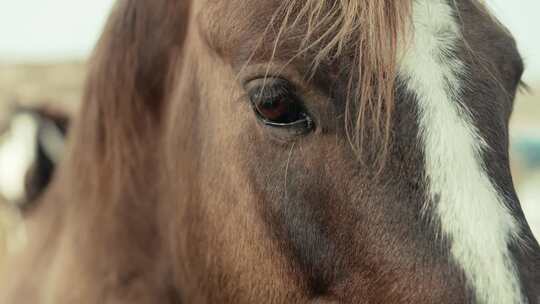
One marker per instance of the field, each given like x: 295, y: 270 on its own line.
x: 61, y: 84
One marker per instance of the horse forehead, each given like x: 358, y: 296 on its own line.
x: 235, y: 15
x: 227, y: 26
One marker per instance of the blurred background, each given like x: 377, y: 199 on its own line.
x: 45, y: 43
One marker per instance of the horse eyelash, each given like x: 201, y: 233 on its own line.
x: 524, y: 87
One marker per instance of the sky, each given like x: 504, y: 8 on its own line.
x: 50, y: 30
x: 45, y: 30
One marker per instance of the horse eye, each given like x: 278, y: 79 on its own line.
x: 276, y: 105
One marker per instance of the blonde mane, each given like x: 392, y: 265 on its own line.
x: 367, y: 32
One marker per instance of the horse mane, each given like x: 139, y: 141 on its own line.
x: 372, y: 30
x: 125, y: 95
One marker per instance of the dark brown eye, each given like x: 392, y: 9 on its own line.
x: 276, y: 105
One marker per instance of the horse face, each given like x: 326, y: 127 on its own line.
x: 280, y: 187
x: 213, y: 161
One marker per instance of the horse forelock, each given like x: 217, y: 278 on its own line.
x: 367, y: 34
x: 126, y: 92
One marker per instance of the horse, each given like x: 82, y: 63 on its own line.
x: 303, y: 151
x: 31, y: 146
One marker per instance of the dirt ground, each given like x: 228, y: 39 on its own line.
x: 61, y: 83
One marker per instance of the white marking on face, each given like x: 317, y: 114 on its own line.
x: 17, y: 153
x: 472, y: 213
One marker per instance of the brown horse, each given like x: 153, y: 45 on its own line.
x: 303, y: 151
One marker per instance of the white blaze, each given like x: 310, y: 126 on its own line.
x: 472, y: 213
